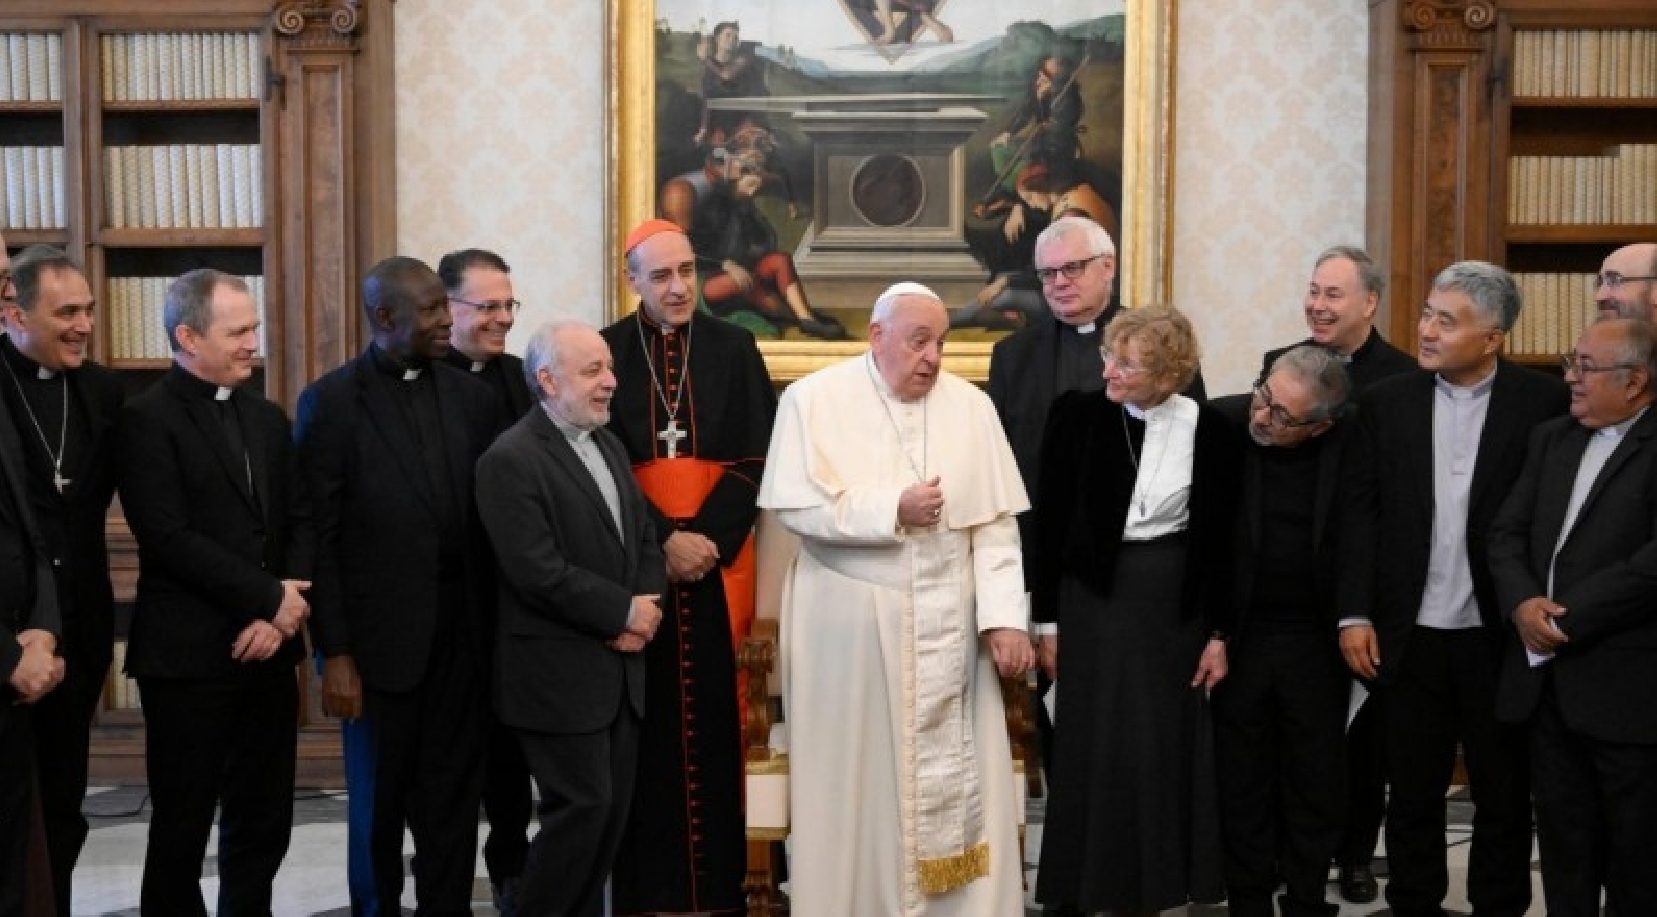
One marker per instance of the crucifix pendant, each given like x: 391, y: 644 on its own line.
x: 671, y: 437
x: 59, y: 481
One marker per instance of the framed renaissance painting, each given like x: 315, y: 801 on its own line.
x: 817, y: 151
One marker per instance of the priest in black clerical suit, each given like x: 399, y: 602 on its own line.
x: 404, y: 576
x: 213, y: 493
x: 1341, y: 298
x: 1435, y: 454
x: 64, y: 408
x: 693, y: 406
x: 1574, y: 556
x: 484, y: 308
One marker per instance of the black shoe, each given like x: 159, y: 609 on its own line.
x: 506, y: 896
x: 823, y: 326
x: 1358, y: 884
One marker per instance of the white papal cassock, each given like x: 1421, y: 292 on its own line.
x: 901, y: 780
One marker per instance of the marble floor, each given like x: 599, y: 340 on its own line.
x: 312, y: 879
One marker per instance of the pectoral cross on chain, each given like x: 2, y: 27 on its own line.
x: 671, y: 437
x: 59, y: 481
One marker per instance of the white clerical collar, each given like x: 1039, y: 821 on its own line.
x: 478, y: 365
x: 1478, y: 388
x: 1085, y: 329
x: 1616, y: 430
x: 222, y: 393
x: 44, y: 374
x: 1170, y: 407
x: 409, y: 375
x: 571, y: 432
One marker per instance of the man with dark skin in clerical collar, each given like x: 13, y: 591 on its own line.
x: 404, y: 581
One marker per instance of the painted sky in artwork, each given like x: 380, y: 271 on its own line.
x: 822, y: 31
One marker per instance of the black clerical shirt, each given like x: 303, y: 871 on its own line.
x: 1287, y: 558
x: 32, y: 391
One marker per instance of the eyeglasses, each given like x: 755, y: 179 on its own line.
x: 1611, y: 280
x: 1070, y: 269
x: 508, y: 307
x: 1575, y: 364
x: 1112, y: 361
x: 1278, y: 414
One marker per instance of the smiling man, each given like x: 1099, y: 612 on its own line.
x: 64, y: 407
x: 212, y: 489
x: 404, y: 580
x: 1437, y: 450
x: 1626, y: 284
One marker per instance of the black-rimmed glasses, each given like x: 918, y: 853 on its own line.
x: 1575, y: 364
x: 1070, y: 269
x: 1278, y: 413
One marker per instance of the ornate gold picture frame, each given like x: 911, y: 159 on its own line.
x: 634, y: 191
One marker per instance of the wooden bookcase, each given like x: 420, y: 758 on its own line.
x: 141, y: 96
x: 1479, y: 148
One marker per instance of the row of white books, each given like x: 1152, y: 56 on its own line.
x: 194, y: 186
x: 31, y: 197
x: 1620, y: 187
x: 122, y: 691
x: 177, y: 66
x: 135, y: 316
x: 1585, y: 63
x: 1556, y: 307
x: 31, y: 67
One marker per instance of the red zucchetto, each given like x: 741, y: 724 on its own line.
x: 647, y: 229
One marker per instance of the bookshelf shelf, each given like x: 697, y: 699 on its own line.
x: 1602, y: 234
x: 30, y: 108
x: 1584, y: 102
x: 111, y: 237
x: 21, y: 238
x: 152, y: 106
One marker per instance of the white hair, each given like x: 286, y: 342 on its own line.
x: 886, y: 303
x: 542, y: 350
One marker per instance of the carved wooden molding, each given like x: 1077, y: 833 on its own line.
x: 330, y: 24
x: 1461, y: 15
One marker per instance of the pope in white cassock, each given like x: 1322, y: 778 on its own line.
x: 904, y: 600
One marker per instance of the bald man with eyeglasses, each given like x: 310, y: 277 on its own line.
x: 1626, y: 285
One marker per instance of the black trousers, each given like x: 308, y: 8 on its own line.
x: 62, y: 723
x: 17, y: 803
x: 225, y: 743
x: 507, y: 803
x: 1366, y: 782
x: 1444, y: 692
x: 1279, y: 722
x: 1596, y: 817
x: 428, y: 751
x: 586, y: 784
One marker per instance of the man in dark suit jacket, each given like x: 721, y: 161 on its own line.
x: 64, y: 408
x: 1574, y: 556
x: 1341, y: 299
x: 580, y: 572
x: 403, y: 579
x: 479, y: 283
x: 1437, y: 452
x: 214, y: 496
x: 1280, y: 713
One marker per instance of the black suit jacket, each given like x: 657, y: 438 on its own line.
x: 1325, y: 513
x: 72, y: 522
x: 1387, y: 519
x: 1605, y: 677
x: 518, y: 397
x: 1373, y: 361
x: 567, y: 578
x: 376, y: 595
x: 1022, y: 386
x: 1079, y: 516
x: 39, y: 609
x: 211, y: 554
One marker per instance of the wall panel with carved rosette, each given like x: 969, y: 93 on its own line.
x: 1436, y: 139
x: 316, y: 48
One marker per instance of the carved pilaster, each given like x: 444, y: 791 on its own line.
x: 317, y: 23
x: 1449, y: 24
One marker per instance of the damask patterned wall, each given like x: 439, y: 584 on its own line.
x: 500, y: 121
x: 500, y: 143
x: 1269, y: 167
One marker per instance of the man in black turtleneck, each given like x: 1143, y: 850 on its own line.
x: 479, y: 284
x: 64, y: 407
x: 1341, y: 299
x: 404, y: 578
x: 212, y: 491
